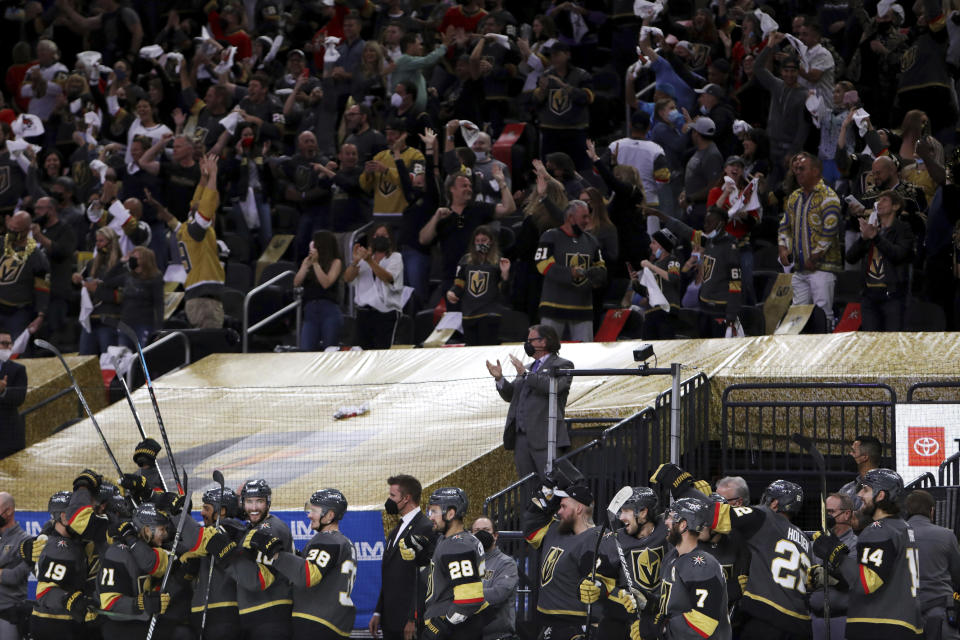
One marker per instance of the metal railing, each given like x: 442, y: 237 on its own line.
x: 949, y: 471
x: 945, y: 384
x: 293, y: 306
x: 693, y: 430
x: 153, y: 346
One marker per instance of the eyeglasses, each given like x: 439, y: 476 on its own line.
x: 6, y: 343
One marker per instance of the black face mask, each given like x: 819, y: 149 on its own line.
x: 61, y: 196
x: 41, y: 220
x: 133, y: 263
x: 3, y: 522
x: 380, y: 244
x: 485, y: 538
x: 529, y: 349
x: 391, y: 507
x: 577, y: 231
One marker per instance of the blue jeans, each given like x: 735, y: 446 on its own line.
x: 96, y: 341
x: 322, y: 322
x: 416, y: 273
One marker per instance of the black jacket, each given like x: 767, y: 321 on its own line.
x: 11, y: 422
x: 887, y: 266
x: 402, y: 585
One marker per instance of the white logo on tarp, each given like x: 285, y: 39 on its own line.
x: 926, y: 447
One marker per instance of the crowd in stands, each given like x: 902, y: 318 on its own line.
x: 554, y: 158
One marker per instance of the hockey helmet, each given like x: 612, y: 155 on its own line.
x: 331, y: 499
x: 147, y: 515
x: 58, y: 503
x: 256, y: 489
x: 697, y: 513
x: 450, y: 498
x: 228, y: 499
x: 881, y: 479
x: 789, y: 496
x: 643, y: 498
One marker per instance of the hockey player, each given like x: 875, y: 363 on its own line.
x: 733, y: 554
x: 559, y: 522
x: 693, y: 604
x: 263, y: 597
x: 455, y: 585
x: 773, y: 601
x: 61, y: 571
x: 322, y: 577
x: 643, y: 540
x: 885, y: 574
x: 223, y: 617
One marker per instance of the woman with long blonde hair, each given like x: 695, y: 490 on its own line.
x: 101, y: 278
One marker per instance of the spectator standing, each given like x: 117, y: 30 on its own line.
x: 648, y: 158
x: 179, y: 174
x: 13, y: 391
x: 115, y: 28
x: 809, y: 237
x: 481, y: 279
x: 786, y: 122
x: 528, y: 394
x: 40, y: 85
x: 499, y: 583
x: 102, y: 278
x: 59, y: 242
x: 380, y: 175
x: 704, y: 168
x: 409, y: 66
x: 378, y: 271
x: 712, y: 99
x: 141, y: 307
x: 367, y: 140
x: 563, y: 97
x: 319, y: 275
x: 25, y: 285
x: 886, y: 249
x: 818, y: 65
x: 572, y: 263
x: 308, y: 190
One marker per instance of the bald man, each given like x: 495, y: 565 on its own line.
x: 13, y: 571
x: 24, y: 277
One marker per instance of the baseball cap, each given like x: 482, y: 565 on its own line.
x: 735, y: 160
x: 579, y: 492
x: 705, y: 126
x: 559, y: 46
x: 665, y: 239
x: 712, y: 89
x: 298, y: 52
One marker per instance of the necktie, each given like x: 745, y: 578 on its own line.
x: 536, y: 365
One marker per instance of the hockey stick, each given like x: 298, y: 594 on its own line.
x: 132, y: 336
x: 218, y: 478
x: 613, y: 510
x: 136, y: 418
x: 807, y: 445
x: 176, y: 540
x: 593, y: 575
x: 43, y: 344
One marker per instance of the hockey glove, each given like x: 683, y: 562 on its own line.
x: 409, y: 552
x: 169, y: 502
x: 829, y: 547
x: 632, y: 601
x: 220, y: 545
x: 635, y: 630
x: 153, y: 603
x: 816, y: 576
x: 266, y: 543
x: 145, y: 455
x: 124, y: 532
x: 435, y: 628
x: 591, y: 591
x: 135, y: 486
x: 89, y: 479
x: 77, y: 605
x: 674, y: 477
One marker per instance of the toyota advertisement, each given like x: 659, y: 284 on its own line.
x: 927, y: 434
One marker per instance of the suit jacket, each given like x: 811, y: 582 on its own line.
x: 11, y: 423
x: 528, y: 396
x: 399, y: 600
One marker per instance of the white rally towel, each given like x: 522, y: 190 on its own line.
x: 330, y: 54
x: 231, y: 121
x: 274, y: 49
x: 860, y: 117
x: 500, y: 39
x: 874, y: 218
x: 741, y: 127
x: 813, y: 106
x: 767, y: 24
x: 27, y: 125
x: 151, y: 52
x: 470, y: 132
x: 646, y: 9
x: 801, y: 50
x: 226, y: 65
x: 654, y: 295
x: 21, y: 344
x: 248, y: 206
x: 86, y: 308
x: 100, y: 167
x: 747, y: 200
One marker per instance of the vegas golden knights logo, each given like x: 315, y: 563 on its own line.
x: 386, y: 187
x: 429, y: 583
x: 10, y: 268
x: 4, y: 179
x: 707, y: 265
x: 550, y: 565
x: 876, y: 270
x: 646, y: 566
x: 578, y: 260
x: 302, y: 178
x: 909, y: 58
x: 560, y: 101
x: 478, y: 283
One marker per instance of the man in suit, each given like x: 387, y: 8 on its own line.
x: 528, y: 395
x: 13, y: 391
x: 409, y: 547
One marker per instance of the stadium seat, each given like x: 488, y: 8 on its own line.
x: 924, y: 316
x: 847, y: 288
x: 514, y: 326
x: 239, y: 245
x: 275, y: 269
x: 239, y: 276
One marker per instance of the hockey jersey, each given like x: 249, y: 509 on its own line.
x: 478, y: 287
x: 779, y: 559
x: 197, y: 244
x: 566, y: 296
x: 693, y: 599
x: 261, y: 592
x: 322, y: 579
x: 884, y: 580
x: 455, y: 583
x: 61, y: 571
x: 644, y: 558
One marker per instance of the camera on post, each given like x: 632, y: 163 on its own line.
x: 643, y: 353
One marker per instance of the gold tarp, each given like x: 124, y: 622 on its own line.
x: 434, y: 413
x: 46, y: 377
